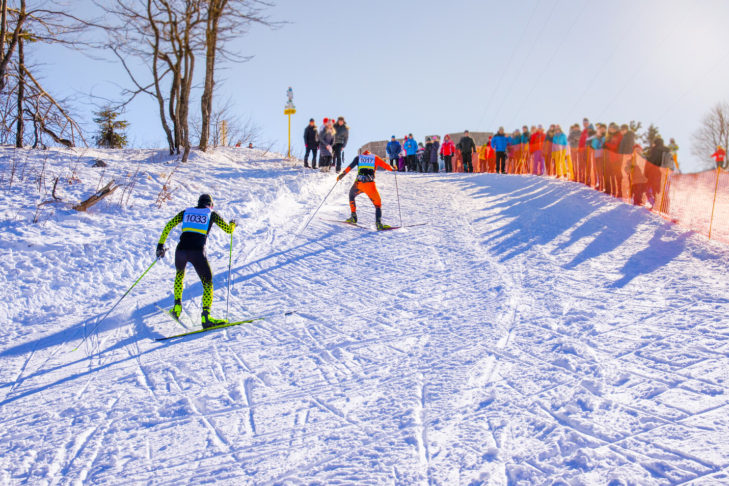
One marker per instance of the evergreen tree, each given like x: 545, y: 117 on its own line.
x: 111, y: 131
x: 650, y: 135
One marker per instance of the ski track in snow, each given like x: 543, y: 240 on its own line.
x: 533, y: 332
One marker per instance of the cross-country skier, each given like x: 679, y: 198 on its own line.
x: 196, y: 224
x: 365, y: 182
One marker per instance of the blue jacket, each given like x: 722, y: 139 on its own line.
x: 560, y: 139
x: 411, y: 146
x: 597, y: 142
x: 499, y: 143
x: 393, y: 149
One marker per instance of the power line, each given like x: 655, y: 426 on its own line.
x: 503, y: 72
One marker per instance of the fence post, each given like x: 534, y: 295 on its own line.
x: 713, y: 206
x: 664, y: 173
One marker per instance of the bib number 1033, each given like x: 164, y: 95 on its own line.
x: 196, y: 218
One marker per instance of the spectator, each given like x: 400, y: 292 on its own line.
x: 585, y: 133
x: 401, y: 160
x: 576, y: 157
x: 393, y: 151
x: 613, y: 138
x: 611, y: 161
x: 499, y: 143
x: 326, y: 140
x: 596, y: 139
x: 434, y: 155
x: 625, y: 149
x: 514, y: 152
x: 467, y: 147
x: 250, y: 145
x: 547, y: 151
x: 341, y: 135
x: 627, y: 141
x: 411, y: 153
x: 536, y: 143
x: 656, y: 156
x: 420, y: 156
x: 525, y: 135
x: 559, y: 154
x: 311, y: 142
x: 573, y: 139
x: 719, y: 156
x: 425, y: 161
x: 447, y: 151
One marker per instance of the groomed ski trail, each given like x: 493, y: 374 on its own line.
x: 532, y: 331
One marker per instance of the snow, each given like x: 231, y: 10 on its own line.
x: 533, y: 332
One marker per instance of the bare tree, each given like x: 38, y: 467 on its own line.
x: 714, y: 131
x: 44, y: 23
x: 166, y: 36
x: 224, y: 21
x: 237, y: 129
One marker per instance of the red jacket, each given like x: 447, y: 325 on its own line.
x: 583, y: 139
x: 536, y: 141
x: 719, y: 155
x: 614, y: 142
x: 448, y: 147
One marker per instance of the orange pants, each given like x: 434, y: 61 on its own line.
x: 368, y: 188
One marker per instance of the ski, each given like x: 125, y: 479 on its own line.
x: 347, y: 223
x: 169, y: 314
x: 386, y: 228
x: 198, y: 331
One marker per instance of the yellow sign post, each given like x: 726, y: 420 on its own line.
x: 288, y: 111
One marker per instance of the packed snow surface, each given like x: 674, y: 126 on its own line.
x: 533, y: 332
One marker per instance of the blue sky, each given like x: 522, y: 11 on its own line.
x: 433, y: 67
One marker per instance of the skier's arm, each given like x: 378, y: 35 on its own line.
x: 349, y: 168
x: 382, y: 164
x: 227, y: 227
x: 168, y: 227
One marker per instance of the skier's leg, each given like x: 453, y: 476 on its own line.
x: 370, y: 189
x: 180, y: 263
x: 354, y: 191
x: 200, y: 261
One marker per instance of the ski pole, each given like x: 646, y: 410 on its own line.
x: 230, y: 263
x: 317, y: 209
x: 98, y: 323
x: 397, y: 191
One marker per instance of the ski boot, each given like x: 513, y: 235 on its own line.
x: 208, y: 322
x: 352, y: 219
x: 382, y: 227
x: 176, y: 310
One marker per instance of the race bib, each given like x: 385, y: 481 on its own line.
x: 196, y: 220
x: 367, y: 161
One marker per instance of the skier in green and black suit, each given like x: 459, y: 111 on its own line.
x: 196, y: 224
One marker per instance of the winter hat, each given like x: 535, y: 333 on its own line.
x: 393, y: 136
x: 325, y: 121
x: 204, y: 201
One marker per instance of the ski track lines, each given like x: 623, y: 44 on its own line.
x: 512, y: 340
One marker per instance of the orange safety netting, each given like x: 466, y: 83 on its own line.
x: 699, y: 202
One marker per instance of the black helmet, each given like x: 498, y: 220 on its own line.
x: 204, y: 201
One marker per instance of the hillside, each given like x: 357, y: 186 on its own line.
x: 533, y: 330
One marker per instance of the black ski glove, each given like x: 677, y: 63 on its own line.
x: 160, y: 250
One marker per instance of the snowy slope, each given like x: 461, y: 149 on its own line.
x: 534, y: 332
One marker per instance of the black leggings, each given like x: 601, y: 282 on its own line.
x: 199, y: 261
